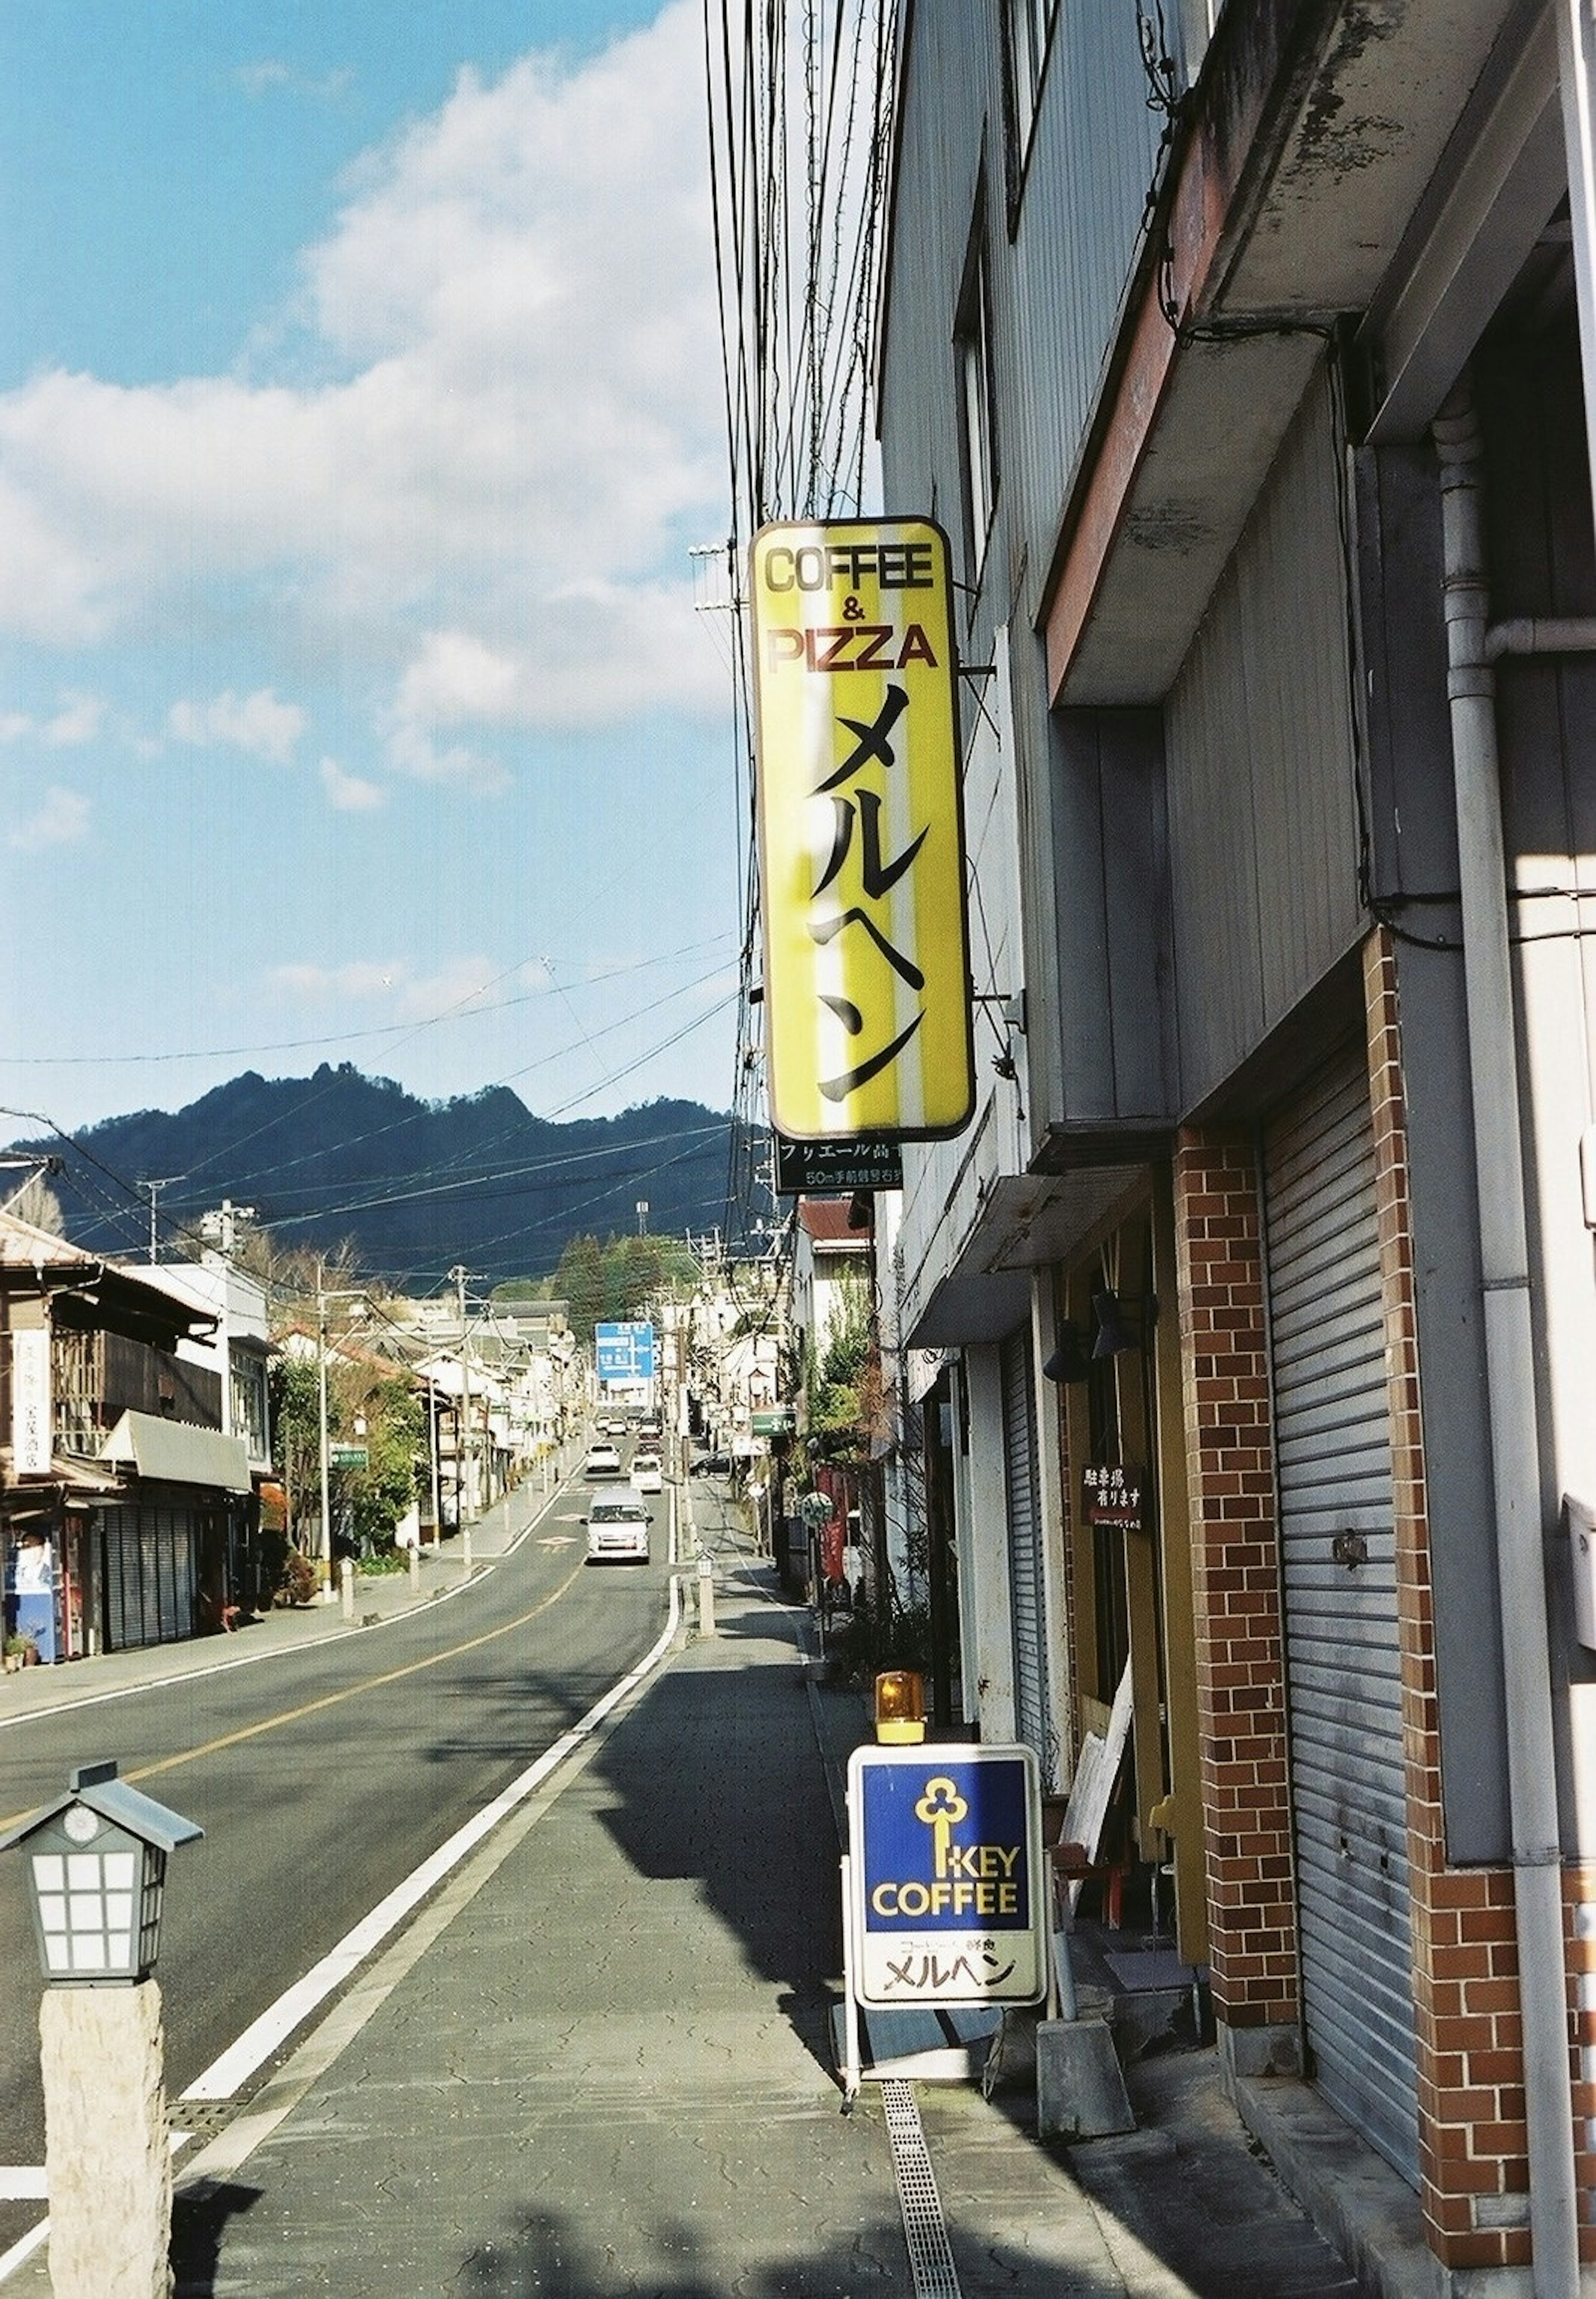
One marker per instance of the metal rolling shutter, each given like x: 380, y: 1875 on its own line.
x: 1332, y: 1436
x: 112, y: 1523
x: 1033, y: 1708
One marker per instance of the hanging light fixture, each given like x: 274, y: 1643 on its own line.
x: 1115, y: 1334
x: 1071, y: 1359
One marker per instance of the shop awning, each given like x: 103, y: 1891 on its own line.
x: 178, y: 1453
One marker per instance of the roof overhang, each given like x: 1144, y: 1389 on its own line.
x: 1313, y: 138
x: 1030, y: 1222
x: 107, y: 1301
x: 177, y: 1453
x: 42, y: 1495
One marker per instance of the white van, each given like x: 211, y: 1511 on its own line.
x: 618, y: 1527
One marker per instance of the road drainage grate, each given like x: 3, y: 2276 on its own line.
x: 930, y: 2257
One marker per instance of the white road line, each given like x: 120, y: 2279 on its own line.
x: 225, y: 2076
x: 23, y: 2249
x: 25, y: 2183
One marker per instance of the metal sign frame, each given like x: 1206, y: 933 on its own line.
x: 861, y: 830
x: 946, y: 1897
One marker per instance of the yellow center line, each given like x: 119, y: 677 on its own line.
x: 332, y: 1699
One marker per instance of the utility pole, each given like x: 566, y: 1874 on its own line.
x: 326, y: 1542
x: 437, y: 1508
x: 154, y: 1188
x: 460, y: 1273
x: 342, y: 1293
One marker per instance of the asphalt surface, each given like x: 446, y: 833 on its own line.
x: 322, y: 1771
x: 597, y: 2062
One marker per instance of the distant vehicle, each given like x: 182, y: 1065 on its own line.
x: 618, y: 1527
x: 615, y: 1426
x: 646, y: 1476
x: 603, y: 1461
x: 710, y: 1465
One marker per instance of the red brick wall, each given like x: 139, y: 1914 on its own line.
x: 1473, y: 2142
x: 1236, y: 1582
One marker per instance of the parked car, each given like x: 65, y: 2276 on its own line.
x: 603, y: 1461
x: 646, y: 1477
x: 618, y: 1527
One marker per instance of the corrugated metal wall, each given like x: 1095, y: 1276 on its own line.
x: 1077, y: 233
x: 1262, y: 810
x: 1057, y: 284
x: 1033, y: 1703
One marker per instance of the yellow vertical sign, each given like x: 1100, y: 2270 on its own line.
x: 862, y: 846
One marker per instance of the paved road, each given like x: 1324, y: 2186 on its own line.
x: 322, y: 1776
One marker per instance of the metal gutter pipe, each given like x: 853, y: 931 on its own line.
x: 1542, y: 634
x: 1511, y: 1372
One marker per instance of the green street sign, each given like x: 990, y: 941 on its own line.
x: 348, y: 1457
x: 774, y: 1424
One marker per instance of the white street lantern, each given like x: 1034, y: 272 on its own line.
x: 96, y: 1873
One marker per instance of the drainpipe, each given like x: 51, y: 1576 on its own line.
x: 1504, y: 1256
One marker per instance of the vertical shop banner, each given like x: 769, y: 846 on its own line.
x: 861, y: 844
x: 30, y: 1403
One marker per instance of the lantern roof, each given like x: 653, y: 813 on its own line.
x: 98, y: 1787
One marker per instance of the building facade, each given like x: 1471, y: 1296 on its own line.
x: 1251, y: 1325
x: 128, y: 1511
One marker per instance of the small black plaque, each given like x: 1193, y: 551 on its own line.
x: 872, y: 1162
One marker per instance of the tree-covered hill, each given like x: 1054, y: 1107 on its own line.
x: 416, y: 1186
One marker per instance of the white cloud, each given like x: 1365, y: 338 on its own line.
x: 272, y: 73
x: 63, y: 818
x: 485, y: 511
x: 463, y: 984
x: 350, y: 793
x: 79, y: 720
x: 257, y: 723
x: 323, y: 986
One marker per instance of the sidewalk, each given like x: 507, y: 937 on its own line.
x: 598, y: 2063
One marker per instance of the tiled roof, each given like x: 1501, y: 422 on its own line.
x: 827, y: 1221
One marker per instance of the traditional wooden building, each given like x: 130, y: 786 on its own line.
x: 114, y: 1457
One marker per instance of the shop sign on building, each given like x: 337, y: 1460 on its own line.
x: 947, y: 1887
x: 862, y: 845
x: 803, y: 1168
x: 1113, y: 1496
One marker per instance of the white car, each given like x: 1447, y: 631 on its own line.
x: 646, y: 1475
x: 618, y: 1527
x: 603, y: 1461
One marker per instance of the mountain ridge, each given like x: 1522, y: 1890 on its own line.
x: 416, y: 1186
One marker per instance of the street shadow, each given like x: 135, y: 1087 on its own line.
x: 715, y: 1779
x: 542, y: 2253
x: 200, y: 2218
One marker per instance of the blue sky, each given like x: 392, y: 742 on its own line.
x: 359, y: 411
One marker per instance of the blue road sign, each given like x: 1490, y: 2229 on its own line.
x: 624, y: 1352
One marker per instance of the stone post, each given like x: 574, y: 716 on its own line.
x: 107, y: 2154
